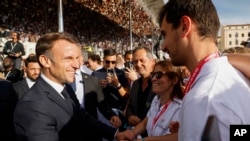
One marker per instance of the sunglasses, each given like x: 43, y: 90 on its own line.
x: 157, y: 74
x: 108, y: 62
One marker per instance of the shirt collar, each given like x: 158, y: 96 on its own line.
x: 30, y: 82
x: 59, y: 88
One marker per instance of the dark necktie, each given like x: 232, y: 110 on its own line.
x: 67, y: 98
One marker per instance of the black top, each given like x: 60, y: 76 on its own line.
x: 142, y: 99
x: 11, y: 47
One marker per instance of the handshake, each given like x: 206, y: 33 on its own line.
x: 127, y: 135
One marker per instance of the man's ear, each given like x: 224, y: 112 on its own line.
x: 45, y: 61
x: 186, y: 25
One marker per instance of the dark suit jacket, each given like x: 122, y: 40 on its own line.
x: 8, y: 100
x: 132, y: 108
x: 21, y: 87
x: 93, y: 97
x: 43, y: 115
x: 92, y: 93
x: 15, y: 75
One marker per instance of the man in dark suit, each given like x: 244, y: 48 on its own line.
x: 91, y: 97
x: 141, y: 91
x: 32, y: 71
x: 50, y: 111
x: 114, y: 83
x: 15, y: 50
x: 8, y: 100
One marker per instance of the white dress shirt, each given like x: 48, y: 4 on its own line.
x: 59, y: 88
x: 30, y: 82
x: 79, y: 87
x: 219, y: 90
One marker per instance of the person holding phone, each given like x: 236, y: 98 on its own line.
x: 129, y: 70
x: 115, y: 85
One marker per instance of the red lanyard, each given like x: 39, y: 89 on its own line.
x: 161, y: 112
x: 197, y: 70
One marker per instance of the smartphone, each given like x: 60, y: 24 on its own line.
x: 129, y: 65
x: 110, y: 71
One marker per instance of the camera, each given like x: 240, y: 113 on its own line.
x: 129, y: 65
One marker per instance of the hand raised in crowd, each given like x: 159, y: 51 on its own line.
x: 115, y: 121
x: 134, y: 120
x: 127, y: 135
x: 174, y: 126
x: 131, y: 74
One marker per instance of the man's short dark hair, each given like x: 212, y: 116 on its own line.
x: 202, y: 12
x: 47, y: 41
x: 147, y: 50
x: 95, y: 57
x: 128, y: 52
x: 109, y: 52
x: 30, y: 59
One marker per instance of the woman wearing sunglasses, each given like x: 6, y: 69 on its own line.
x: 166, y: 83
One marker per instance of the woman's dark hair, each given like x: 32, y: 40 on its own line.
x: 172, y: 72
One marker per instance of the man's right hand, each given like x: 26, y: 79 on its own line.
x: 127, y: 135
x: 131, y: 74
x: 133, y: 120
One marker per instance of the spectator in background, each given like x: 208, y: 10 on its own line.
x: 3, y: 33
x: 90, y: 96
x: 128, y: 56
x: 32, y: 71
x: 115, y: 85
x: 190, y: 30
x: 10, y: 73
x: 94, y: 62
x: 141, y: 94
x: 130, y: 71
x: 15, y: 50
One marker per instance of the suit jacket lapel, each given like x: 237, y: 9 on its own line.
x: 25, y: 85
x: 54, y: 96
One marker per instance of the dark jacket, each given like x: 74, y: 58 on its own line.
x: 21, y: 87
x: 8, y: 100
x: 42, y: 114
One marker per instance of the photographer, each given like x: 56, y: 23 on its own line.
x: 15, y: 50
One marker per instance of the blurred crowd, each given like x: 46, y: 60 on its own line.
x: 96, y: 23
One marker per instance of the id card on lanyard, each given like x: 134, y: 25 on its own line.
x: 157, y: 116
x: 198, y: 69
